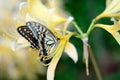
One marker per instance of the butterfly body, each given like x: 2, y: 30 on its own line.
x: 39, y: 37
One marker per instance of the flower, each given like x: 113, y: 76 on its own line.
x: 112, y: 9
x: 39, y: 11
x: 35, y: 10
x: 112, y: 29
x: 15, y: 63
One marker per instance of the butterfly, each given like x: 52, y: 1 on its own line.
x: 39, y: 36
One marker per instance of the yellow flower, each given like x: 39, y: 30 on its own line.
x: 112, y: 9
x: 112, y: 29
x: 15, y: 63
x: 35, y: 10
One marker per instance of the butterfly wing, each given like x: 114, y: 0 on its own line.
x: 27, y: 34
x: 47, y: 40
x: 36, y: 28
x: 50, y: 41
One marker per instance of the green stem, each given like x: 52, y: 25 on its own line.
x: 91, y: 27
x: 76, y: 34
x: 77, y: 27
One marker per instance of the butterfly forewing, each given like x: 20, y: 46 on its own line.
x: 36, y: 28
x: 27, y: 34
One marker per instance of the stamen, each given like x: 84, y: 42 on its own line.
x: 67, y: 23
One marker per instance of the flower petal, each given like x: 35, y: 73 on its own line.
x: 112, y: 29
x: 58, y: 53
x: 53, y: 63
x: 71, y: 51
x: 38, y: 10
x: 112, y: 9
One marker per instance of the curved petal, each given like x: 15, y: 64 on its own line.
x: 71, y: 51
x: 112, y: 9
x: 39, y: 11
x: 53, y: 64
x: 112, y: 29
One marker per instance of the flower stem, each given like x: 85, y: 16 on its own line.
x: 91, y: 27
x: 77, y: 27
x: 94, y: 64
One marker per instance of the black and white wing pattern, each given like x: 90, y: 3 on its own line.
x: 47, y: 40
x: 27, y: 34
x: 39, y: 36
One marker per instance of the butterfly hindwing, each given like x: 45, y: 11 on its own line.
x: 27, y: 34
x: 50, y: 41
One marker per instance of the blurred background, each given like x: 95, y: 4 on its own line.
x: 106, y: 50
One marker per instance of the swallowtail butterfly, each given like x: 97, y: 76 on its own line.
x: 39, y: 37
